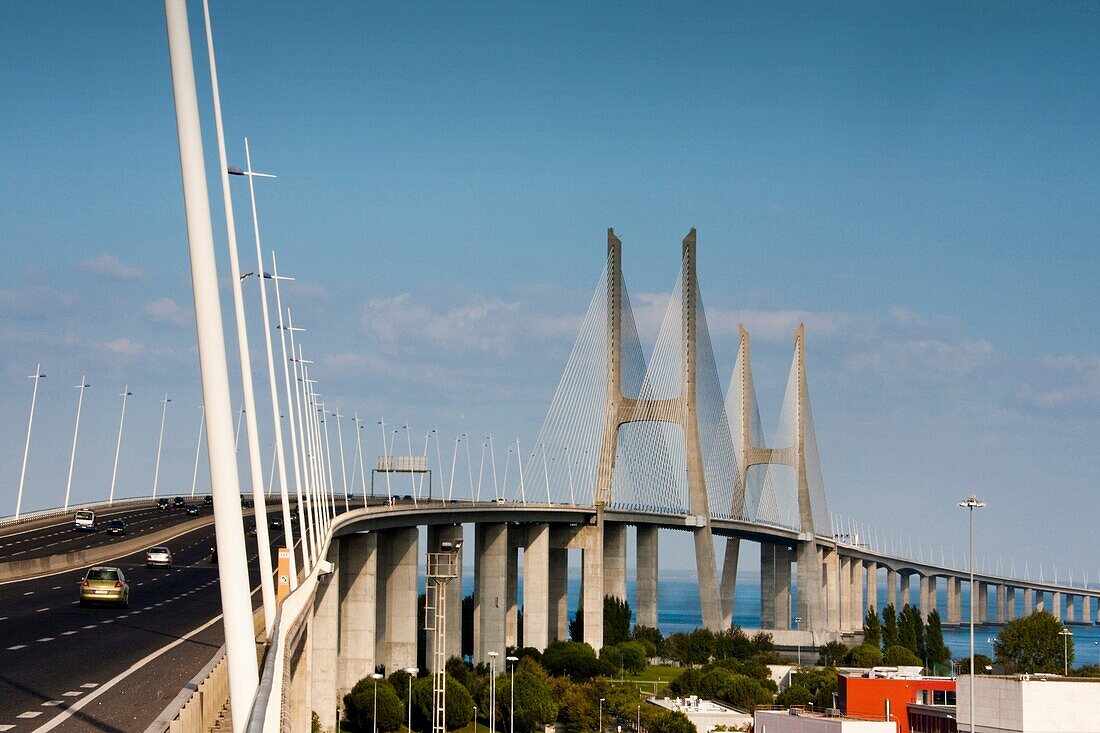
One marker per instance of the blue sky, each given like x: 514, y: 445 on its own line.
x: 916, y: 182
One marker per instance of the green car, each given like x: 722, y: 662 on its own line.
x: 105, y: 585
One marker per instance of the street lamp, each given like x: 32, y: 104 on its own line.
x: 118, y: 445
x: 493, y: 691
x: 971, y: 503
x: 412, y: 672
x: 475, y: 717
x: 1097, y: 645
x: 1065, y: 634
x: 160, y: 442
x: 76, y: 430
x: 512, y: 686
x: 639, y: 728
x: 602, y: 700
x: 374, y: 717
x: 798, y: 638
x: 26, y: 448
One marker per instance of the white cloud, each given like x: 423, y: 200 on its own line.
x: 124, y: 347
x: 166, y: 310
x: 480, y: 324
x: 923, y: 360
x: 1066, y: 380
x: 109, y: 266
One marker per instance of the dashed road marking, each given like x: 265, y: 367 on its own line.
x: 90, y: 685
x: 52, y: 703
x: 42, y: 609
x: 72, y: 693
x: 29, y: 714
x: 45, y: 639
x: 67, y: 633
x: 17, y: 647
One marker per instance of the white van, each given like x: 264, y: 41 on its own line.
x: 85, y: 521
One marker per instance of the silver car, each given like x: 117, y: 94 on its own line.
x: 158, y: 557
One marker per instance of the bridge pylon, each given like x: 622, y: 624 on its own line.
x: 681, y: 409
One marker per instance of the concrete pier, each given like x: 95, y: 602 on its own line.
x: 399, y: 573
x: 729, y: 577
x: 783, y: 561
x: 767, y: 586
x: 437, y: 535
x: 323, y: 661
x: 559, y: 594
x: 1029, y: 601
x: 856, y: 591
x: 614, y: 560
x: 1010, y: 603
x: 536, y: 590
x: 1056, y: 604
x: 1002, y: 611
x: 831, y: 571
x: 358, y: 570
x: 872, y: 584
x: 490, y: 589
x: 646, y: 568
x: 891, y: 588
x: 953, y: 600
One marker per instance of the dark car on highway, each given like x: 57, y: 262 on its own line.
x: 192, y: 508
x: 178, y: 501
x: 116, y: 526
x: 162, y: 503
x: 276, y: 522
x: 208, y: 500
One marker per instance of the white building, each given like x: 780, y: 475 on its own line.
x: 1030, y: 704
x: 797, y: 720
x: 705, y: 714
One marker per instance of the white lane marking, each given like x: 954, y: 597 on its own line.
x: 107, y: 621
x: 67, y: 633
x: 3, y: 618
x: 89, y: 626
x: 72, y: 693
x: 29, y: 593
x: 79, y: 704
x: 52, y: 703
x: 29, y: 714
x: 17, y: 647
x: 90, y: 685
x: 56, y: 587
x: 6, y: 727
x: 42, y: 609
x: 45, y: 638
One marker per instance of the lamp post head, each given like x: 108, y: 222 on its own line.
x: 376, y: 676
x: 971, y: 502
x: 512, y: 659
x: 412, y: 670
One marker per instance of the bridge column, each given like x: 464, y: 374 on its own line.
x: 1029, y: 601
x: 1010, y: 603
x: 614, y: 559
x: 1001, y: 598
x: 729, y: 579
x: 783, y: 562
x: 983, y: 603
x: 1086, y: 609
x: 536, y: 590
x: 490, y: 590
x: 922, y: 594
x: 872, y: 584
x: 511, y: 601
x: 930, y: 596
x: 559, y: 594
x: 399, y: 574
x: 437, y: 535
x: 891, y: 588
x: 767, y: 585
x: 322, y: 668
x: 1071, y: 609
x: 953, y: 600
x: 1056, y: 604
x: 844, y: 564
x: 646, y: 569
x: 857, y: 594
x: 358, y: 569
x: 592, y: 585
x: 300, y: 708
x: 831, y: 571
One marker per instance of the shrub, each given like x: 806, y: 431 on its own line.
x: 359, y: 706
x: 864, y: 655
x: 900, y: 656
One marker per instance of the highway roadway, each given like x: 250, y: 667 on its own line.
x: 59, y: 536
x: 54, y: 654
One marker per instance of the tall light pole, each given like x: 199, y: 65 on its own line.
x: 374, y: 717
x: 602, y: 701
x: 493, y: 691
x: 198, y: 450
x: 236, y: 603
x: 512, y: 689
x: 798, y: 637
x: 160, y: 442
x: 118, y: 444
x: 76, y: 430
x: 38, y: 375
x: 971, y: 503
x: 359, y: 448
x: 343, y: 466
x: 412, y: 672
x: 1065, y: 634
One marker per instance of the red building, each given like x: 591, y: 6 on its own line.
x: 867, y: 696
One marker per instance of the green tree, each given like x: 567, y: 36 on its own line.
x: 981, y: 663
x: 459, y: 703
x: 901, y: 656
x: 911, y: 628
x: 864, y: 655
x: 616, y: 620
x: 745, y: 693
x: 1034, y: 644
x: 650, y: 635
x: 732, y: 644
x: 629, y: 657
x: 832, y: 654
x: 359, y: 707
x: 762, y: 643
x: 890, y: 636
x: 578, y: 706
x: 571, y: 658
x: 535, y: 706
x: 794, y: 695
x: 936, y: 649
x: 576, y: 624
x: 670, y: 721
x: 872, y: 629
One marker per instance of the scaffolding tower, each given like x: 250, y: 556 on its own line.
x: 442, y: 568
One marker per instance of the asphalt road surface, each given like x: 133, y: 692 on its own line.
x: 53, y: 653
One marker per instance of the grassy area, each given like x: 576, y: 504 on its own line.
x: 654, y: 679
